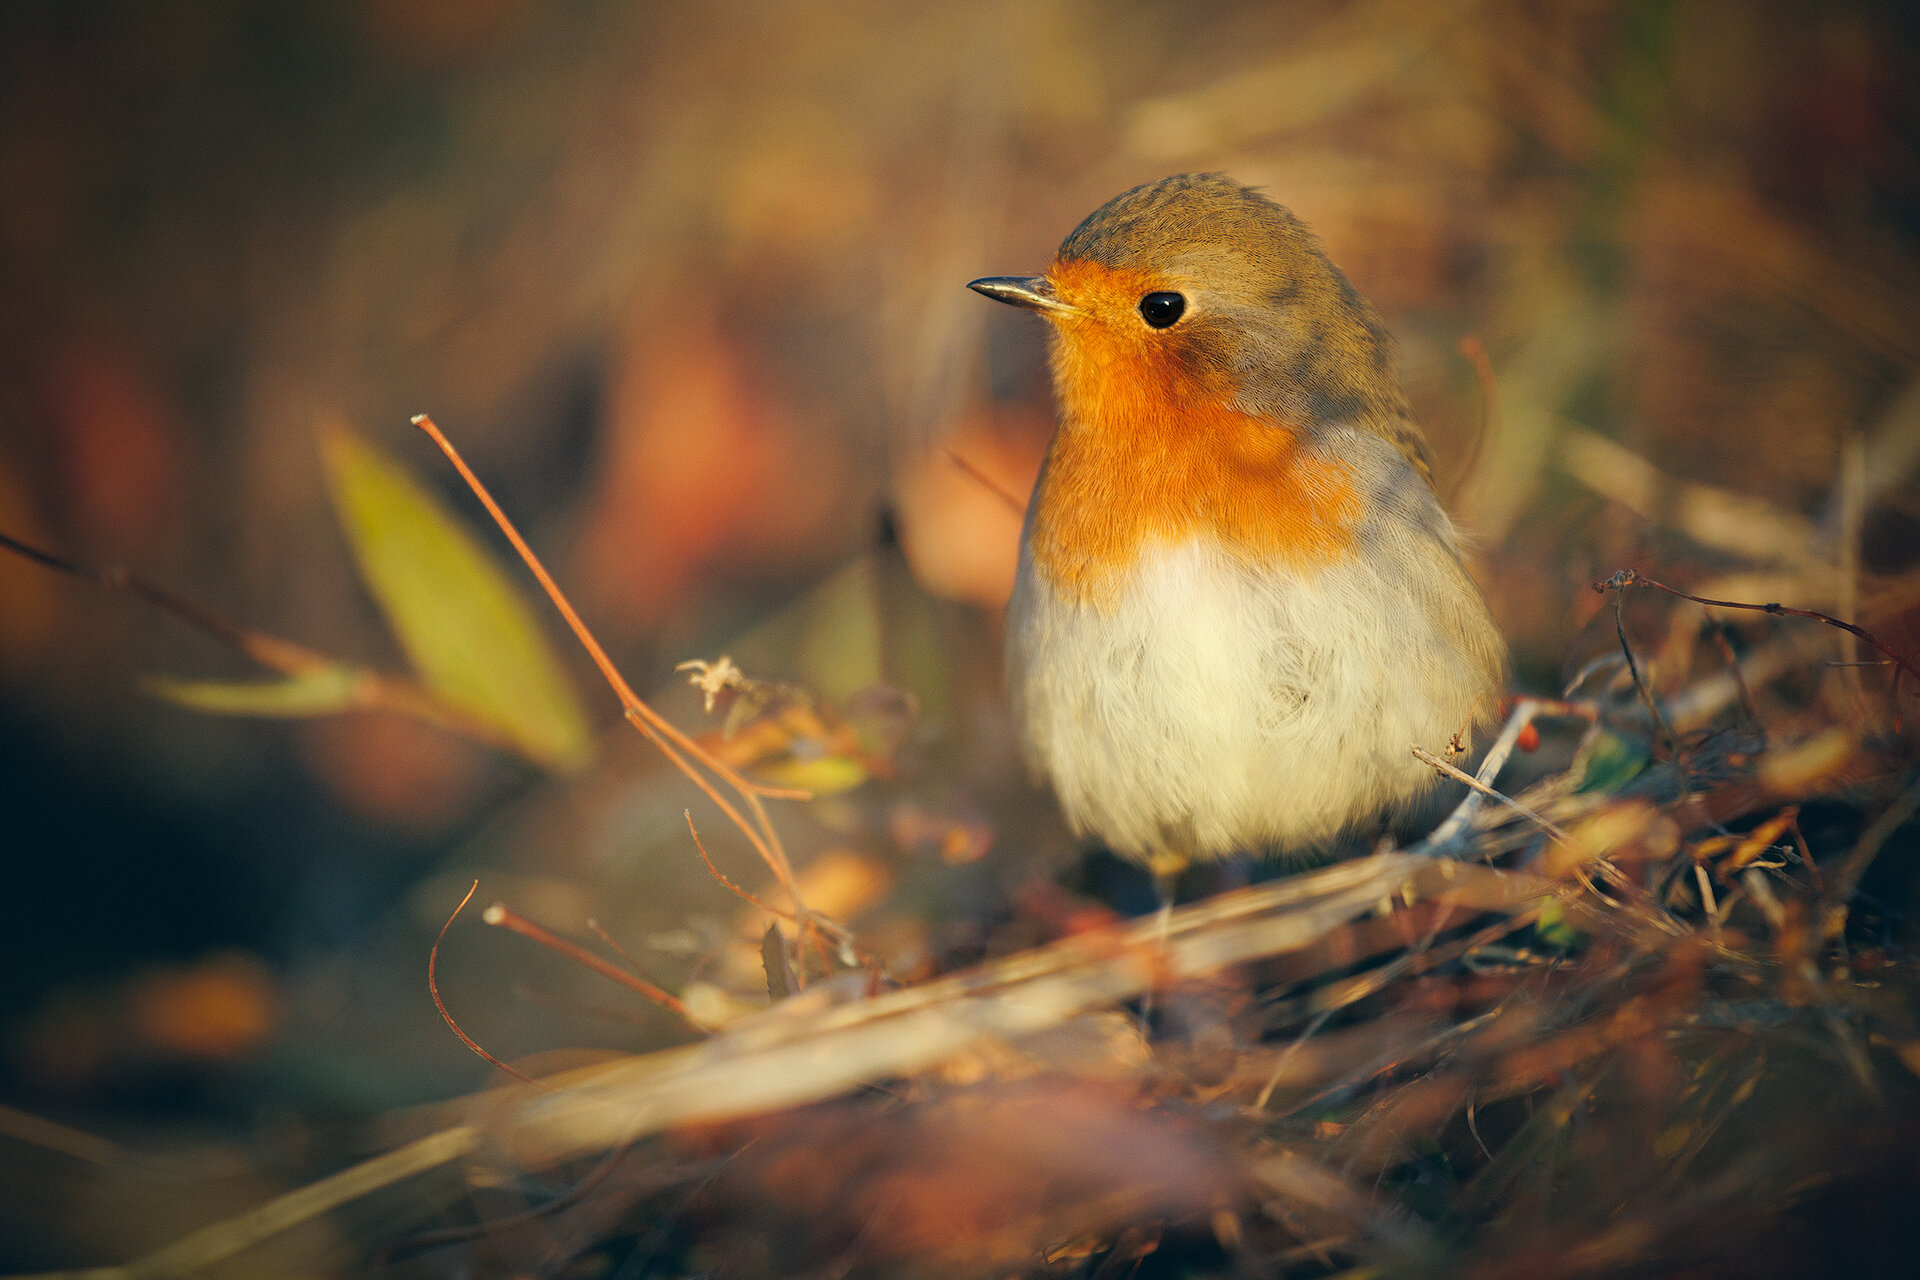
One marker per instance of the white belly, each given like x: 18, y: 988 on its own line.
x: 1214, y: 710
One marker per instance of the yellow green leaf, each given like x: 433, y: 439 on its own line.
x: 1554, y: 929
x: 469, y: 634
x: 321, y: 691
x: 823, y: 775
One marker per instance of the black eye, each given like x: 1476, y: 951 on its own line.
x: 1162, y: 309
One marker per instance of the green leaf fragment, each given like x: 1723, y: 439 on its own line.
x: 823, y: 775
x: 468, y: 633
x: 1554, y: 929
x: 322, y: 691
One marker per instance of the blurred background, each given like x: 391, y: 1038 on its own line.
x: 686, y: 284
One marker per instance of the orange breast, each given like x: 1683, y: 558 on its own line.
x: 1148, y: 452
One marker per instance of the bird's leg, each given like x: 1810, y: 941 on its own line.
x: 1166, y: 867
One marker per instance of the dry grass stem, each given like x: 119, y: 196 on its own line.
x: 365, y: 690
x: 1474, y: 784
x: 679, y: 749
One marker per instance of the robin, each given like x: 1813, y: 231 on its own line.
x: 1239, y: 602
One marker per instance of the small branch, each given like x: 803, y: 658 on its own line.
x: 1846, y: 877
x: 1725, y: 644
x: 998, y: 490
x: 1708, y: 905
x: 278, y: 655
x: 679, y: 749
x: 371, y: 690
x: 822, y: 931
x: 613, y: 945
x: 1474, y: 784
x: 1639, y: 681
x: 718, y: 875
x: 1524, y: 711
x: 200, y: 1252
x: 433, y: 986
x: 404, y: 1249
x: 1633, y: 578
x: 502, y: 916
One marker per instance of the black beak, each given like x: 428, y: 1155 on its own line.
x: 1035, y: 293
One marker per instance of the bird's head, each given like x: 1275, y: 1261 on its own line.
x: 1198, y: 292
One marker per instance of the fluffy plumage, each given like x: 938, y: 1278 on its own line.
x: 1239, y: 602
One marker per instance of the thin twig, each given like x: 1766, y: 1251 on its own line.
x: 1524, y: 712
x: 998, y: 490
x: 1634, y: 578
x: 1639, y: 681
x: 1708, y: 905
x: 613, y: 944
x: 433, y: 986
x: 1580, y: 873
x: 1846, y: 878
x: 721, y: 877
x: 504, y: 917
x: 195, y: 1254
x: 665, y: 736
x: 368, y: 690
x: 759, y: 833
x: 822, y: 931
x: 1474, y: 784
x: 1806, y: 857
x: 1474, y: 1129
x: 830, y: 1049
x: 1560, y: 707
x: 421, y: 1242
x: 1265, y: 1095
x: 1852, y: 502
x: 1727, y: 655
x: 268, y: 651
